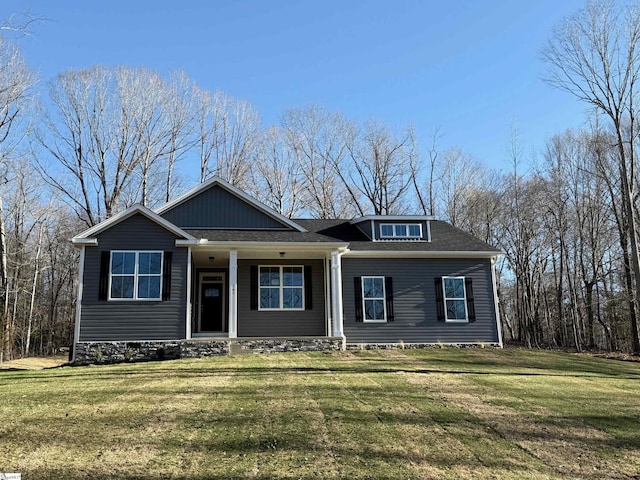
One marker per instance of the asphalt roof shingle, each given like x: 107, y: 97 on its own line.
x: 444, y: 237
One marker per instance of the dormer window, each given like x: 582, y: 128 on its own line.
x: 401, y: 231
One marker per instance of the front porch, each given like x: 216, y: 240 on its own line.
x: 228, y: 297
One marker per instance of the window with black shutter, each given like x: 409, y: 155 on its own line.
x: 454, y: 299
x: 374, y: 299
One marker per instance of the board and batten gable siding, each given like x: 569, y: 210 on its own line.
x: 281, y: 323
x: 122, y: 320
x: 414, y: 301
x: 217, y: 208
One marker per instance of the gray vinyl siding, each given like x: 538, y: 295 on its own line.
x: 256, y: 323
x: 415, y: 302
x: 217, y: 208
x: 134, y: 320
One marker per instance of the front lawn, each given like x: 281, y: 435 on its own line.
x: 436, y: 413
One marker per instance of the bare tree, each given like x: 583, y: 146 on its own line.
x: 427, y: 205
x: 460, y: 174
x: 318, y: 140
x: 593, y: 55
x: 108, y: 134
x: 182, y: 113
x: 229, y: 132
x: 380, y: 169
x: 16, y: 80
x: 277, y: 179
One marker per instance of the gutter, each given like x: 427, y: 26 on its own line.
x: 421, y: 254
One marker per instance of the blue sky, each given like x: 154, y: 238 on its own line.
x: 471, y: 68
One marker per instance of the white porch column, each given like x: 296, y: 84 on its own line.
x: 336, y: 294
x: 233, y: 294
x: 328, y: 295
x: 188, y: 319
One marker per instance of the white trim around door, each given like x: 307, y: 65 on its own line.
x: 212, y: 277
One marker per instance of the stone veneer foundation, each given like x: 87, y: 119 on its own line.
x: 87, y: 353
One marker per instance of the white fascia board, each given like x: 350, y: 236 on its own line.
x: 419, y: 254
x: 291, y: 246
x: 129, y: 212
x: 234, y: 190
x: 186, y: 243
x: 393, y: 218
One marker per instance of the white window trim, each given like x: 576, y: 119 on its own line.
x: 464, y: 299
x: 394, y: 236
x: 281, y: 288
x: 383, y: 298
x: 136, y: 275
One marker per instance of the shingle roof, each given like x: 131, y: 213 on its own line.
x: 444, y: 237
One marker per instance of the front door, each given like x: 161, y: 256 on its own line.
x: 212, y: 307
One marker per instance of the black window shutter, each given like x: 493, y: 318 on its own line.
x: 439, y: 299
x: 308, y: 292
x: 357, y: 285
x: 388, y: 287
x: 103, y: 287
x: 254, y: 287
x: 166, y: 276
x: 471, y: 308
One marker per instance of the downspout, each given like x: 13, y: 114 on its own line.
x: 496, y: 299
x: 76, y: 331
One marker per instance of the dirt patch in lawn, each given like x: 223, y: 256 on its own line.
x: 34, y: 363
x: 565, y: 445
x: 625, y: 357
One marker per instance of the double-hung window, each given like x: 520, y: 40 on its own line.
x: 135, y: 275
x: 281, y: 288
x: 455, y: 299
x: 373, y: 299
x: 401, y: 231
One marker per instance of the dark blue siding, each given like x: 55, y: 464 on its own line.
x: 218, y: 208
x: 415, y: 303
x: 134, y: 320
x: 255, y: 323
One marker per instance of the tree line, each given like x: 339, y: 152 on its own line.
x: 91, y: 142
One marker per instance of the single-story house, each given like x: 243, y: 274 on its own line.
x: 215, y: 270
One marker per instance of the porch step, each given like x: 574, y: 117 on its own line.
x: 236, y: 349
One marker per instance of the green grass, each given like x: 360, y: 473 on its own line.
x: 437, y: 413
